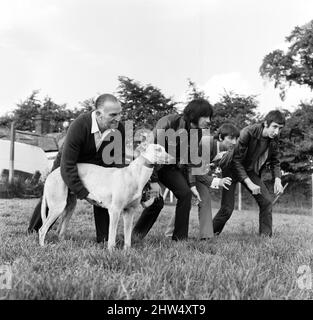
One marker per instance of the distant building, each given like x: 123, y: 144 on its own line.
x: 33, y: 151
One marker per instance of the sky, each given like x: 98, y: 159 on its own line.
x: 72, y: 50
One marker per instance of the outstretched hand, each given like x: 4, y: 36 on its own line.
x: 254, y: 188
x: 224, y: 182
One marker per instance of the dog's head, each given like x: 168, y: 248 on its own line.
x: 156, y: 154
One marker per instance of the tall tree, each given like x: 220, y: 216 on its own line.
x: 26, y: 111
x: 143, y: 104
x: 86, y: 105
x: 297, y: 142
x: 235, y: 108
x: 293, y: 66
x: 55, y: 114
x: 194, y: 92
x: 231, y: 107
x: 6, y: 119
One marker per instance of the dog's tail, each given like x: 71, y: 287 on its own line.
x: 43, y: 207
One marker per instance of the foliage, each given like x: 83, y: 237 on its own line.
x: 194, y: 92
x: 143, y: 104
x: 56, y: 114
x: 231, y: 107
x: 297, y: 142
x: 295, y: 65
x: 86, y: 105
x: 6, y: 119
x: 22, y: 187
x: 26, y: 111
x: 235, y: 108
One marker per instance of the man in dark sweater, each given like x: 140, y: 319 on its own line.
x: 85, y: 142
x: 177, y: 177
x: 257, y: 146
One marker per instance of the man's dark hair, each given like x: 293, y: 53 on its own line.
x: 275, y: 116
x: 103, y: 98
x: 196, y: 109
x: 227, y: 129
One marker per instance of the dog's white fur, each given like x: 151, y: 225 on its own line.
x: 118, y: 189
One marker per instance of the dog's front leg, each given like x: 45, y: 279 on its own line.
x: 114, y: 214
x: 128, y: 216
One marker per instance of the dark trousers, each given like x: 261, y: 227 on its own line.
x: 264, y: 201
x: 101, y: 221
x: 172, y: 178
x: 35, y: 222
x: 148, y: 217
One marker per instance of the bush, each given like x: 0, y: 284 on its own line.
x: 22, y: 187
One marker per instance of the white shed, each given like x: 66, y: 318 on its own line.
x: 27, y: 158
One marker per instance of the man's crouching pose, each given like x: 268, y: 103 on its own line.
x: 257, y: 145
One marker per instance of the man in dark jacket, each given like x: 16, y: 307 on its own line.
x: 224, y: 140
x: 256, y: 147
x: 176, y: 177
x: 85, y: 142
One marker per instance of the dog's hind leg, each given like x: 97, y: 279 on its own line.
x: 53, y: 215
x: 114, y: 214
x: 70, y: 207
x: 128, y: 216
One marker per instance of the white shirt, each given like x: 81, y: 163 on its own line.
x: 99, y: 137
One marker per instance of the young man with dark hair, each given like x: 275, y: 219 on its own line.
x: 177, y: 177
x: 257, y: 146
x: 224, y: 139
x: 228, y: 134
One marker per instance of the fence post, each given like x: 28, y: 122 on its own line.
x: 239, y: 196
x: 11, y: 165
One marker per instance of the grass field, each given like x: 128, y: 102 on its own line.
x: 237, y: 265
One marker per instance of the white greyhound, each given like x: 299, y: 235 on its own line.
x: 118, y: 189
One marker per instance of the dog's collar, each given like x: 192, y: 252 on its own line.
x: 148, y: 164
